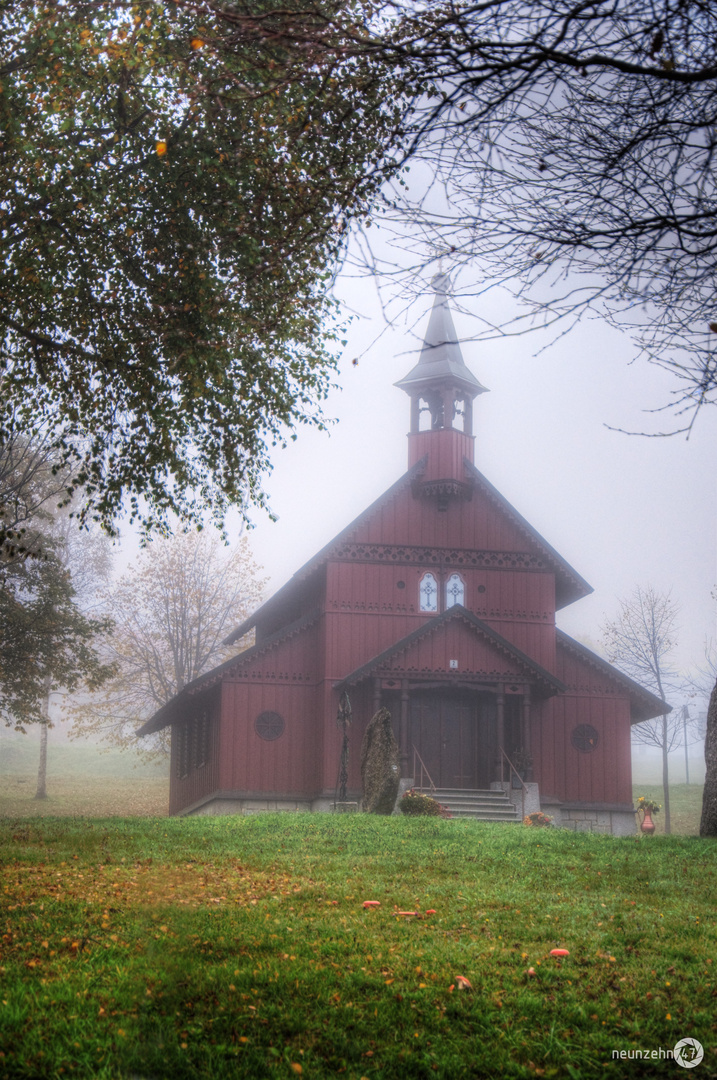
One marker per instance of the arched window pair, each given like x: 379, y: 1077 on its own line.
x: 455, y: 592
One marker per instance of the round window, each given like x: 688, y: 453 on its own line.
x: 269, y: 726
x: 584, y: 738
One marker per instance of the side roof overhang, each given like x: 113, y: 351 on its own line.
x: 644, y: 705
x: 173, y: 710
x: 533, y: 671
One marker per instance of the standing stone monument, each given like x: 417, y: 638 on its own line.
x: 380, y: 771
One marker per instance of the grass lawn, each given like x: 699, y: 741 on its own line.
x: 239, y: 947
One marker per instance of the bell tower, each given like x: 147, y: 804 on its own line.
x: 441, y: 389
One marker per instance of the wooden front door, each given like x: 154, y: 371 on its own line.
x: 451, y: 733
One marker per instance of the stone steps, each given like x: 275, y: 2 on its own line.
x: 479, y: 805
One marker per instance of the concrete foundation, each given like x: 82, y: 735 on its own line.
x: 526, y: 802
x: 404, y: 784
x: 616, y: 821
x: 580, y: 817
x: 237, y: 805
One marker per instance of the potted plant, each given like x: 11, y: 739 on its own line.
x: 648, y: 808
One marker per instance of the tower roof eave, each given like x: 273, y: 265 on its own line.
x: 441, y: 369
x: 441, y: 359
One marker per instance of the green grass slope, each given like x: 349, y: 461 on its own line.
x: 240, y: 947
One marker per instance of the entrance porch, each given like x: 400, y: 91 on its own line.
x: 460, y: 734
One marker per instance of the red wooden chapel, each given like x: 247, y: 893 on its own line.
x: 439, y: 603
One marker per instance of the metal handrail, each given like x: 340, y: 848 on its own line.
x: 513, y: 769
x: 423, y: 769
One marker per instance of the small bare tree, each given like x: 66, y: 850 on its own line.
x: 171, y: 612
x: 640, y: 641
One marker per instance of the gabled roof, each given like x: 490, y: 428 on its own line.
x: 435, y: 625
x: 169, y: 712
x: 322, y: 556
x: 644, y: 705
x: 569, y: 585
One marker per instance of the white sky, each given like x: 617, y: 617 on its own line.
x: 622, y: 510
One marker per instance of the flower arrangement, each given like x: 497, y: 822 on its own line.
x: 648, y: 806
x: 417, y: 804
x: 537, y: 818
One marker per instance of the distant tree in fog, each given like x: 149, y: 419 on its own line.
x: 47, y: 634
x: 640, y: 641
x: 171, y: 612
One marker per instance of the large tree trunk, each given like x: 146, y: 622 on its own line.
x: 708, y: 824
x: 41, y: 792
x: 666, y: 776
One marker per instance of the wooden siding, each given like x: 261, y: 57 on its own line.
x: 604, y: 775
x: 199, y: 782
x: 285, y: 765
x: 282, y: 679
x: 447, y: 450
x: 476, y: 523
x: 367, y: 610
x: 431, y: 655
